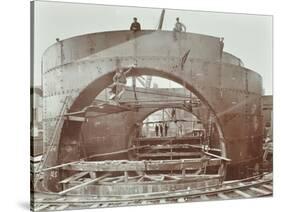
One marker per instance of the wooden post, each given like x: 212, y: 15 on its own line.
x: 222, y: 171
x: 84, y: 184
x: 125, y: 176
x: 183, y: 172
x: 93, y: 175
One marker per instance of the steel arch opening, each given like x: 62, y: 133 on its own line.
x: 88, y: 94
x: 97, y: 138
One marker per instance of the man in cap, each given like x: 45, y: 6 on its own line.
x: 119, y: 83
x: 135, y: 26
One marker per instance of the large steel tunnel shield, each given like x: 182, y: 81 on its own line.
x: 82, y: 66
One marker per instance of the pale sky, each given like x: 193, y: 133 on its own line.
x: 248, y: 37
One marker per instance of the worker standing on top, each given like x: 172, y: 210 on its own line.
x: 179, y: 27
x: 135, y: 26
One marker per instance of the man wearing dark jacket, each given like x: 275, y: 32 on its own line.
x: 166, y: 127
x: 156, y: 130
x: 161, y: 129
x: 135, y: 26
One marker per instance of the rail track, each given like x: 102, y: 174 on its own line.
x: 229, y: 190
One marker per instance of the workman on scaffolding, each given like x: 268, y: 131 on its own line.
x: 119, y: 83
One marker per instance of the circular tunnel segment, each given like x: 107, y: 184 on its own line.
x: 99, y: 137
x: 192, y: 145
x: 176, y: 133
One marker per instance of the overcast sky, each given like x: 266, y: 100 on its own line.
x: 248, y: 37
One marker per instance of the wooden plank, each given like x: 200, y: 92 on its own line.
x: 107, y: 108
x: 175, y: 146
x: 159, y: 177
x: 117, y: 179
x: 261, y: 191
x: 183, y: 172
x: 180, y: 200
x: 156, y: 105
x: 95, y: 205
x: 120, y: 179
x: 42, y: 207
x: 242, y: 184
x: 188, y: 164
x: 172, y: 177
x: 62, y: 207
x: 123, y: 204
x: 116, y: 165
x: 217, y: 156
x: 117, y: 152
x: 241, y: 193
x: 74, y: 177
x: 162, y: 201
x: 81, y: 112
x: 162, y: 178
x: 56, y: 167
x: 223, y: 196
x: 184, y: 138
x: 135, y: 177
x: 66, y: 205
x: 108, y: 179
x: 104, y: 205
x: 60, y: 199
x: 75, y: 118
x: 125, y: 176
x: 144, y: 165
x: 151, y: 178
x: 169, y: 154
x: 204, y: 197
x: 269, y: 187
x: 93, y: 175
x: 141, y: 179
x: 83, y: 184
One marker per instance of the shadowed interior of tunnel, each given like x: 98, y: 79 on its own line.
x: 88, y: 94
x: 176, y: 122
x: 173, y: 134
x: 113, y: 132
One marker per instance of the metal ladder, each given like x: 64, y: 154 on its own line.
x: 53, y: 141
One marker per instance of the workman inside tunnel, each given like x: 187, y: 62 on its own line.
x: 166, y: 127
x: 156, y: 130
x: 173, y: 115
x: 161, y: 129
x: 119, y: 83
x: 135, y: 26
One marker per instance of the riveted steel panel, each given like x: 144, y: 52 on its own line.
x: 81, y: 67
